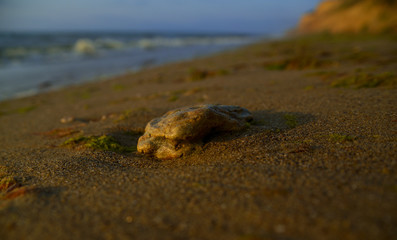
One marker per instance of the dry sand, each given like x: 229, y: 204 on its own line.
x: 319, y: 162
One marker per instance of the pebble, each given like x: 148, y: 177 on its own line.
x: 67, y: 119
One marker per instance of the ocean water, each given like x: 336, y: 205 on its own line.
x: 31, y: 63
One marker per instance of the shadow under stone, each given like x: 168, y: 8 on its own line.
x: 264, y: 120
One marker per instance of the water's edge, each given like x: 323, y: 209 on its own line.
x: 42, y: 72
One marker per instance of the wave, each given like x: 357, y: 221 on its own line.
x: 189, y: 41
x: 61, y: 47
x: 85, y: 46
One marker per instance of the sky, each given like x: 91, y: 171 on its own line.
x: 228, y: 16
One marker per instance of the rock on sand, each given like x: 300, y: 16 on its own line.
x: 179, y: 131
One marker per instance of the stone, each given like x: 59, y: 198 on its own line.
x: 180, y: 131
x: 67, y: 119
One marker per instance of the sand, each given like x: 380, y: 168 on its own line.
x: 318, y: 162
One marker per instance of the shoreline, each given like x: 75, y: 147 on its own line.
x: 26, y: 70
x: 318, y: 160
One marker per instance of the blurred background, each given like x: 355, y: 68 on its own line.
x: 48, y: 44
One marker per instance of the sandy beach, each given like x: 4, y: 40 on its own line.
x: 317, y: 162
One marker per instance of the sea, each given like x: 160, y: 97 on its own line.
x: 31, y: 63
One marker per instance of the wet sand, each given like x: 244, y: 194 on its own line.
x: 318, y: 162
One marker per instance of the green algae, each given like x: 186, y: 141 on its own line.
x: 366, y: 80
x: 26, y: 109
x: 173, y: 98
x: 104, y: 143
x: 82, y: 94
x: 74, y: 140
x: 200, y: 74
x: 21, y: 110
x: 123, y: 116
x: 175, y: 95
x: 290, y: 120
x: 86, y: 95
x: 298, y: 62
x: 118, y: 87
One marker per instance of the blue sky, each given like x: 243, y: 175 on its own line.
x: 238, y: 16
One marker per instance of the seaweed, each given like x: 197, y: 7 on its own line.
x: 7, y: 182
x: 10, y: 186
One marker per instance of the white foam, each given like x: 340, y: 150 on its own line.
x: 84, y: 46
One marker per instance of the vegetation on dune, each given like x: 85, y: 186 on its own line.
x: 300, y: 54
x: 368, y: 75
x: 351, y: 16
x: 360, y: 56
x: 350, y: 3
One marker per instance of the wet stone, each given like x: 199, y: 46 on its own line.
x: 180, y: 131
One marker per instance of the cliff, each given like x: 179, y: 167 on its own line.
x: 351, y: 16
